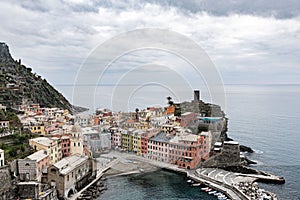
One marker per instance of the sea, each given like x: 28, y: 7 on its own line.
x: 264, y: 117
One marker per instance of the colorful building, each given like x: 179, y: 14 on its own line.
x: 42, y: 161
x: 65, y: 146
x: 127, y: 140
x: 116, y: 137
x: 206, y: 144
x: 158, y: 147
x: 52, y: 146
x: 168, y: 128
x: 136, y: 141
x: 185, y: 150
x: 170, y: 110
x: 37, y: 129
x: 151, y: 132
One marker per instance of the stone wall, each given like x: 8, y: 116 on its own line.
x: 6, y: 189
x: 229, y: 156
x: 27, y: 170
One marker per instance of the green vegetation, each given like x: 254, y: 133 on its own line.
x: 16, y: 146
x: 11, y: 116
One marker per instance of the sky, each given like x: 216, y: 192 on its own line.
x: 249, y: 42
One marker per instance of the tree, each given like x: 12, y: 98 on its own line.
x: 170, y: 102
x: 137, y: 114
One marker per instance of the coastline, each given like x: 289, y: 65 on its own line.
x: 123, y: 164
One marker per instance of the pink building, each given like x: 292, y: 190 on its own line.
x: 151, y: 132
x: 187, y: 118
x: 41, y: 162
x: 206, y: 144
x: 116, y: 137
x: 158, y: 147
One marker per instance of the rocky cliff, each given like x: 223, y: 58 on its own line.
x: 18, y: 82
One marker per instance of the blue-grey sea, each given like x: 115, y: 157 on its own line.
x: 264, y: 117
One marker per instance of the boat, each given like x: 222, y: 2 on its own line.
x: 208, y: 190
x: 222, y: 197
x: 189, y: 181
x: 205, y: 188
x: 196, y: 184
x: 212, y: 192
x: 218, y: 193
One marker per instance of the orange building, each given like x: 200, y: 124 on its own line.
x: 170, y: 110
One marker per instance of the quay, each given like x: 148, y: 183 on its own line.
x: 217, y: 179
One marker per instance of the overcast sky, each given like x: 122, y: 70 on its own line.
x: 249, y: 41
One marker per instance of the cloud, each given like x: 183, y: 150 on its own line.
x: 244, y: 39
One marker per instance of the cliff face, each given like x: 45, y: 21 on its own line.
x: 17, y: 82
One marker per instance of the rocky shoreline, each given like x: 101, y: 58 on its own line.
x: 94, y: 191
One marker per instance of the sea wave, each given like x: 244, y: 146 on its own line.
x: 258, y: 151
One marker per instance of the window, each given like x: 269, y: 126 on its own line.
x: 68, y: 178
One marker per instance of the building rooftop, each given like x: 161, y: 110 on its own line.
x: 138, y: 132
x: 39, y: 155
x: 162, y: 137
x: 69, y: 163
x: 204, y: 134
x: 43, y: 141
x: 89, y: 130
x: 185, y: 137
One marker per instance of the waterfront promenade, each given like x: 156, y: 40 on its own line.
x: 218, y: 179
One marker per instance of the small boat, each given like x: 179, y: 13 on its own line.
x: 142, y: 170
x: 189, y: 181
x: 222, y: 197
x: 212, y: 192
x: 196, y: 184
x: 206, y: 188
x: 218, y: 193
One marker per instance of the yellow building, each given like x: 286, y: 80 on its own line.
x: 37, y: 129
x: 136, y: 141
x: 141, y: 125
x: 127, y: 140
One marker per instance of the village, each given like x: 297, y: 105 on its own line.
x: 70, y: 150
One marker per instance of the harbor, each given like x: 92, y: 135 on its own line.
x: 216, y: 182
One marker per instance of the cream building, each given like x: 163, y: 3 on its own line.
x: 52, y: 146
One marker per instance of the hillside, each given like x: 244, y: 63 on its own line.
x: 17, y: 82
